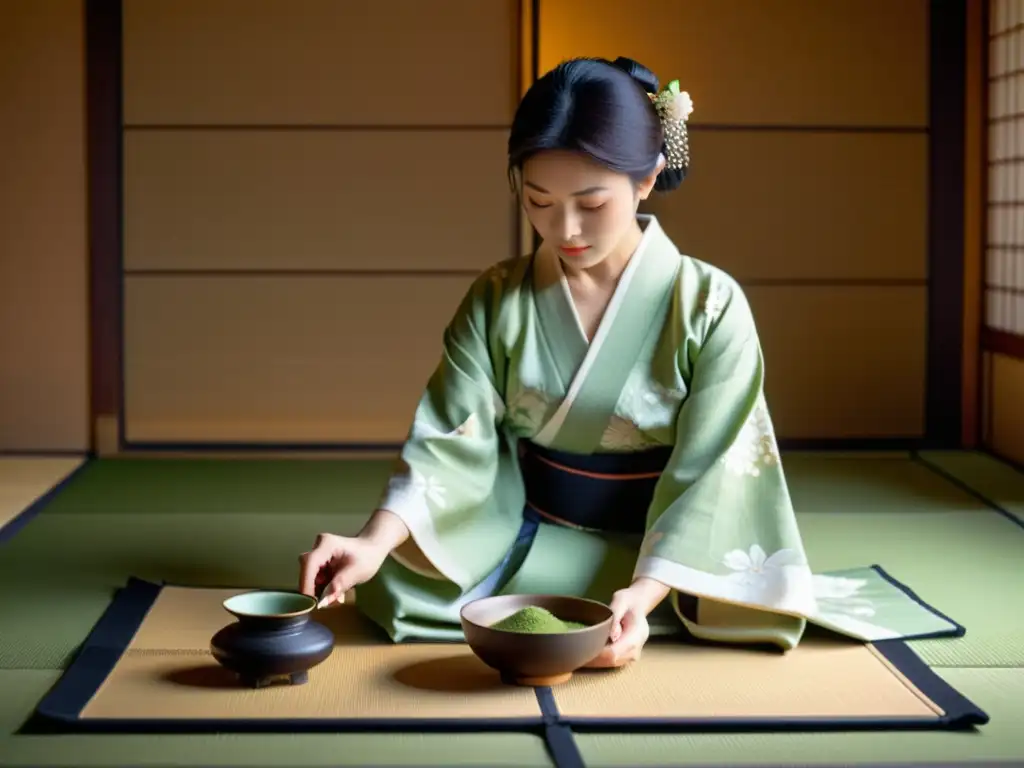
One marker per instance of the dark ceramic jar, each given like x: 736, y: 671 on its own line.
x: 273, y: 637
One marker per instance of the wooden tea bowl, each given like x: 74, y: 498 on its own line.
x: 536, y: 659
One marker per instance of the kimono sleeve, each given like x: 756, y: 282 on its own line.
x: 443, y: 481
x: 721, y: 527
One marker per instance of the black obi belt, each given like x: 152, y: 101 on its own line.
x: 600, y: 491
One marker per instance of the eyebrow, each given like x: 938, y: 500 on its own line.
x: 587, y: 191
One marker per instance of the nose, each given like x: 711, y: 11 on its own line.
x: 570, y: 224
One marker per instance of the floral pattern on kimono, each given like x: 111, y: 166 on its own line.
x: 527, y: 411
x: 755, y: 448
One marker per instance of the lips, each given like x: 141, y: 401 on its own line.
x: 575, y: 251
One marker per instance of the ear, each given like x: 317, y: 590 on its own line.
x: 645, y: 187
x: 515, y: 176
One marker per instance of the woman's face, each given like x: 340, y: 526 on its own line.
x: 582, y: 210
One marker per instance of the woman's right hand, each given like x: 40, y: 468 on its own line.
x: 337, y: 564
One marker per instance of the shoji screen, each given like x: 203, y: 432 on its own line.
x: 309, y: 188
x: 1004, y: 279
x: 1004, y: 291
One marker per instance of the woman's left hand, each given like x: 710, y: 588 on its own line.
x: 629, y: 630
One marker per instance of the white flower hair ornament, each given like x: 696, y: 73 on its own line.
x: 674, y: 107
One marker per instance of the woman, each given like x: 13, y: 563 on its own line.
x: 597, y: 424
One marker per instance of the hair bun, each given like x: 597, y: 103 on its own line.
x: 638, y: 72
x: 669, y: 178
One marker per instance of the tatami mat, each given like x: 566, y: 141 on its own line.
x: 966, y: 564
x: 24, y: 479
x: 77, y: 560
x: 21, y: 690
x: 825, y: 483
x: 1000, y: 691
x: 995, y: 480
x: 244, y: 522
x: 131, y: 486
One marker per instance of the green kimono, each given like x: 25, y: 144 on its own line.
x: 676, y: 364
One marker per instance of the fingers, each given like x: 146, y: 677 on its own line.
x: 616, y: 631
x: 330, y: 597
x: 314, y: 566
x: 338, y: 586
x: 620, y: 609
x: 617, y: 655
x: 336, y: 565
x: 342, y: 573
x: 603, y: 660
x: 627, y: 648
x: 626, y: 641
x: 309, y: 567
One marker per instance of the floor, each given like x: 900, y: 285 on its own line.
x: 24, y: 479
x: 949, y: 524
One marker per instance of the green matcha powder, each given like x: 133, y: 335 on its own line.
x: 537, y: 621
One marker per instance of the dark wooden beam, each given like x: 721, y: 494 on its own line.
x: 946, y: 167
x: 103, y: 126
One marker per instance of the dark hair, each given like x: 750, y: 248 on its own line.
x: 597, y: 107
